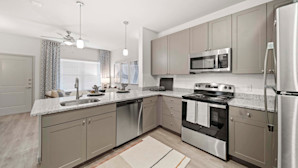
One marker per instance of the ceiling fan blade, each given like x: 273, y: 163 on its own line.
x: 52, y: 37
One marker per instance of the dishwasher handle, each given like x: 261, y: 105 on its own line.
x: 140, y: 119
x: 129, y: 102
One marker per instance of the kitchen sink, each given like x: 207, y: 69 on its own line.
x: 77, y: 102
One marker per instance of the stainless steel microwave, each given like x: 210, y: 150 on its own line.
x: 211, y: 61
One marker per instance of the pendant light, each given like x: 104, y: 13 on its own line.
x: 80, y: 42
x: 125, y: 51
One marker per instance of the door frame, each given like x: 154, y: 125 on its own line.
x: 33, y: 71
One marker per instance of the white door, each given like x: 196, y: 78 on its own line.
x: 15, y: 84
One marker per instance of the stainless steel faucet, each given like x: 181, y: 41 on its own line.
x: 77, y: 87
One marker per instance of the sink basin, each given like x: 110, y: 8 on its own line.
x: 77, y: 102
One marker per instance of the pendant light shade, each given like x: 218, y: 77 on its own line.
x: 80, y: 42
x: 125, y: 50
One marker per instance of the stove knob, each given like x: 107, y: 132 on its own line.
x: 226, y: 87
x: 230, y: 87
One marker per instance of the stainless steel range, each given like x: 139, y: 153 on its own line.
x: 205, y: 118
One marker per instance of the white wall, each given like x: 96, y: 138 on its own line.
x: 86, y: 54
x: 218, y: 14
x: 21, y: 45
x: 116, y: 57
x: 145, y: 77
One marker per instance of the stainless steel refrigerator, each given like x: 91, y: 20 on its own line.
x: 287, y: 84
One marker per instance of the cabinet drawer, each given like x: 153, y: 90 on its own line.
x: 171, y: 123
x: 172, y: 100
x: 249, y: 114
x: 169, y: 111
x: 149, y: 100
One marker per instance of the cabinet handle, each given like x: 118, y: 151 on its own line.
x: 231, y: 119
x: 248, y: 114
x: 84, y: 122
x: 89, y: 121
x: 209, y: 49
x: 262, y: 70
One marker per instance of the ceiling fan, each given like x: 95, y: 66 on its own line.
x: 70, y: 40
x: 66, y: 39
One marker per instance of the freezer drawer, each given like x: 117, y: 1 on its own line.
x: 287, y: 131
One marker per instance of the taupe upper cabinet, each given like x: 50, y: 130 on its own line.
x: 159, y: 56
x: 199, y: 38
x: 101, y: 133
x: 249, y: 40
x: 178, y: 51
x: 271, y: 29
x: 220, y: 33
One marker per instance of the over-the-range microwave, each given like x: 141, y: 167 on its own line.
x: 211, y: 61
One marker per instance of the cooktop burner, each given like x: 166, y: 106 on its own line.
x: 217, y: 93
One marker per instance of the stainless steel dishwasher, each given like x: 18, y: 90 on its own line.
x: 129, y: 120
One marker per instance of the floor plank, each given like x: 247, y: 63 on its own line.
x: 19, y: 146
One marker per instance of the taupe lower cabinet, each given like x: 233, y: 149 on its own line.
x: 149, y: 113
x: 249, y: 40
x: 249, y: 138
x: 172, y: 113
x: 178, y: 52
x: 159, y: 58
x: 72, y: 137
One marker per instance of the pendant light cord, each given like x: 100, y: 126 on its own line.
x: 125, y: 34
x: 80, y: 21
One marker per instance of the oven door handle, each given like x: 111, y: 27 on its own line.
x: 217, y: 106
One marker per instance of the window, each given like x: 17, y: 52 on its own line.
x: 127, y: 72
x: 88, y: 73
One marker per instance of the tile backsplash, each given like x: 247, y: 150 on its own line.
x: 248, y: 83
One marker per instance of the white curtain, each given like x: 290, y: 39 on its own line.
x: 49, y: 66
x: 105, y: 61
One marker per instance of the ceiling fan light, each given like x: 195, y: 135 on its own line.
x: 68, y: 43
x: 80, y: 43
x: 125, y: 52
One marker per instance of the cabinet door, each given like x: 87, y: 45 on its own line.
x: 220, y: 33
x: 178, y: 51
x: 249, y: 140
x: 159, y: 56
x: 101, y: 134
x: 271, y: 29
x: 64, y: 145
x: 249, y: 40
x: 199, y: 38
x: 149, y: 117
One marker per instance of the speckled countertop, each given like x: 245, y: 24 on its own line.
x: 49, y: 106
x: 251, y: 101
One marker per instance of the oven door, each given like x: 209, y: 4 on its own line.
x: 218, y: 121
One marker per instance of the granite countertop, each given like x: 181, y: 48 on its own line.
x: 255, y: 104
x: 50, y: 106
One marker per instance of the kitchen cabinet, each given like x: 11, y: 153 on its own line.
x: 271, y: 29
x: 149, y: 113
x: 101, y: 134
x: 249, y: 138
x: 172, y: 113
x: 220, y: 33
x: 178, y: 53
x: 249, y: 40
x: 64, y: 145
x: 199, y: 38
x: 72, y: 137
x: 159, y: 56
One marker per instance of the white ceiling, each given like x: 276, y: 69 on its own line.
x: 102, y: 19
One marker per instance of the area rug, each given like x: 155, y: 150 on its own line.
x: 146, y: 153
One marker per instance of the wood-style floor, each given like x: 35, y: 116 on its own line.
x: 19, y: 146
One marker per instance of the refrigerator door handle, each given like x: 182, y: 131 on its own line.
x: 270, y: 46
